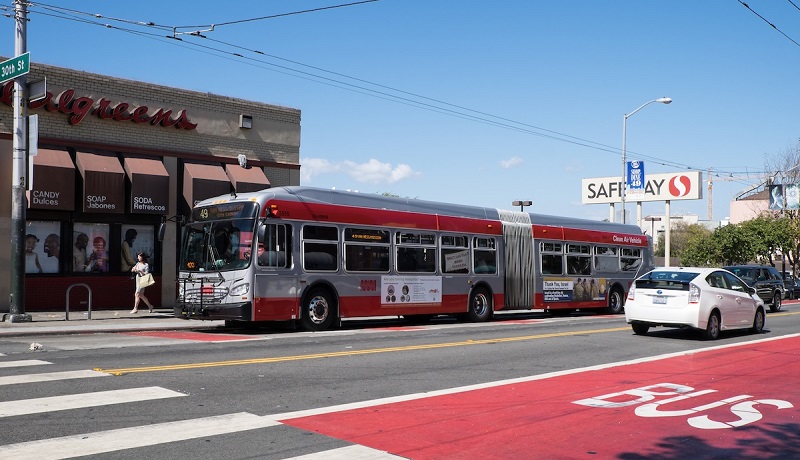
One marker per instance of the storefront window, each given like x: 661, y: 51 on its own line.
x: 90, y: 248
x: 42, y: 247
x: 136, y: 239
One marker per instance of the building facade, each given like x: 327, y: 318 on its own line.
x: 116, y: 158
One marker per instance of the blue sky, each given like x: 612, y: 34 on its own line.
x: 475, y: 102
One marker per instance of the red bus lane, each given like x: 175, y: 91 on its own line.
x: 734, y: 401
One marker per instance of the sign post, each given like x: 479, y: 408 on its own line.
x: 15, y: 67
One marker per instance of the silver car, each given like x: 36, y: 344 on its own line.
x: 708, y: 299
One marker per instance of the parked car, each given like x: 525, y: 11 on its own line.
x: 792, y: 285
x: 708, y: 299
x: 767, y: 281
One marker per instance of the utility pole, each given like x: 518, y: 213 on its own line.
x: 19, y: 173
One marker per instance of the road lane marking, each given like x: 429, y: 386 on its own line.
x: 83, y: 400
x: 338, y: 354
x: 22, y: 363
x: 355, y: 452
x: 139, y: 436
x: 282, y: 417
x: 50, y: 377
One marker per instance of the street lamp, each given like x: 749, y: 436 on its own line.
x: 663, y: 100
x: 652, y: 219
x: 521, y: 204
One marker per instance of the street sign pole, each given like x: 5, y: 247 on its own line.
x: 17, y: 70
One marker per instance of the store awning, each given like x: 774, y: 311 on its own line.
x: 246, y: 180
x: 53, y: 185
x: 149, y: 186
x: 204, y: 181
x: 103, y: 183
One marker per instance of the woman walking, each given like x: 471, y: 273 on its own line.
x: 140, y: 269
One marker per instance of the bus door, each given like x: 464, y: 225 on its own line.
x: 275, y: 287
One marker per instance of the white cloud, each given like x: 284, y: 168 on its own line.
x: 511, y: 162
x: 373, y: 171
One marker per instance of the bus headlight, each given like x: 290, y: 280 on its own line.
x: 241, y: 289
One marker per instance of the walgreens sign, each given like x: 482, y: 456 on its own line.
x: 657, y: 187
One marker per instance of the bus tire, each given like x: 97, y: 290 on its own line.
x: 480, y: 305
x: 615, y: 303
x: 318, y: 310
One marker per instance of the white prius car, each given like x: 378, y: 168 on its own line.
x: 708, y: 299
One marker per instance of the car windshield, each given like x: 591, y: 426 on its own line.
x: 664, y: 279
x: 746, y: 273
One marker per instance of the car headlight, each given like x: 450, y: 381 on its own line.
x: 241, y: 289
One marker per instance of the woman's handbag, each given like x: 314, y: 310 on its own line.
x: 145, y: 280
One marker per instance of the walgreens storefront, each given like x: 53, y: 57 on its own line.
x: 115, y: 159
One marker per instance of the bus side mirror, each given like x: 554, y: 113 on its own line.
x: 162, y: 229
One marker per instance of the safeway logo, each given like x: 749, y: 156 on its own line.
x: 680, y: 186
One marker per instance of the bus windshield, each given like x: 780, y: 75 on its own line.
x: 217, y: 245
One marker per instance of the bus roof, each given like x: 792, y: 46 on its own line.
x: 375, y: 201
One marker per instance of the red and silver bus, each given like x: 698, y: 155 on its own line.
x: 317, y: 256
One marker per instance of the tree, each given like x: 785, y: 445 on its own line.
x: 681, y: 234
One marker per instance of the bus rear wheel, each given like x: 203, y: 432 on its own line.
x: 615, y: 304
x: 318, y: 310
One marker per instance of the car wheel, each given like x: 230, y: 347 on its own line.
x: 615, y: 302
x: 640, y: 329
x: 713, y: 326
x: 776, y: 303
x: 758, y: 322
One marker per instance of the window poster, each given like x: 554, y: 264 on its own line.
x: 136, y: 239
x: 42, y: 247
x: 90, y: 248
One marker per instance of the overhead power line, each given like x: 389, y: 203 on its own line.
x: 338, y: 80
x: 770, y: 24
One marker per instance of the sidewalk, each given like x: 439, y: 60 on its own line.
x: 102, y: 321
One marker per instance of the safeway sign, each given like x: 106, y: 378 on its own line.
x: 657, y: 187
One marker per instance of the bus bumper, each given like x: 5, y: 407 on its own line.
x: 230, y: 311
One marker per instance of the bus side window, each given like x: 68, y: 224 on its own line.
x: 606, y: 259
x: 552, y: 258
x: 484, y: 256
x: 579, y: 261
x: 275, y: 249
x: 454, y: 254
x: 320, y: 248
x: 630, y: 260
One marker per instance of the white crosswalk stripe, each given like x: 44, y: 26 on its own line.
x: 83, y: 400
x: 50, y: 377
x: 355, y: 452
x: 100, y: 442
x: 129, y: 438
x: 22, y: 363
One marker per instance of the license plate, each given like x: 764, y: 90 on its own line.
x: 660, y: 299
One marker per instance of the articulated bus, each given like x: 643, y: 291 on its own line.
x: 317, y: 256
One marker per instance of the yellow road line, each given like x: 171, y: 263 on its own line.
x: 338, y: 354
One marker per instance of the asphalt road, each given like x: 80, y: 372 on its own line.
x: 223, y: 394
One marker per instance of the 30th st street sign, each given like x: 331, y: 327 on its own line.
x: 15, y: 67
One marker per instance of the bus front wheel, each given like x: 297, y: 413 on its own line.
x: 318, y: 310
